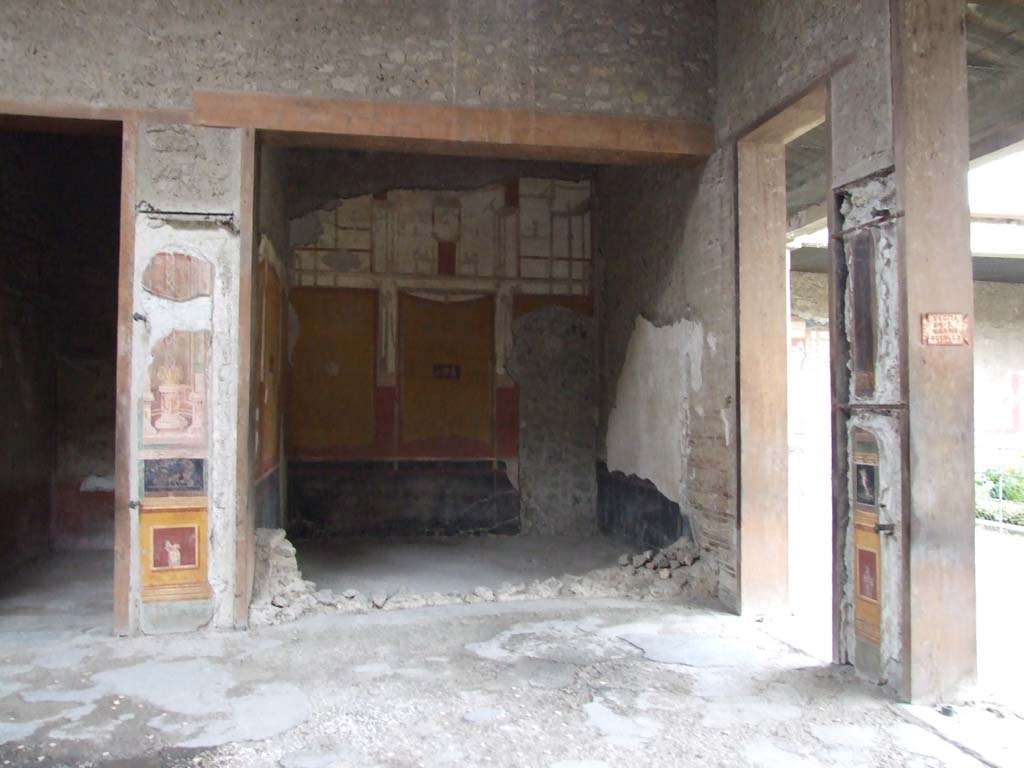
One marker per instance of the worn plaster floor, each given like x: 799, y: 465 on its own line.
x: 449, y: 564
x: 558, y: 684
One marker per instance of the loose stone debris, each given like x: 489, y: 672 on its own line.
x: 281, y: 595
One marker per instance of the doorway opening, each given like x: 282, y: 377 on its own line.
x: 427, y: 378
x: 809, y: 396
x: 59, y: 244
x: 787, y: 532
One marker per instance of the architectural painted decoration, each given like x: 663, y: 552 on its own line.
x: 177, y: 276
x: 866, y: 539
x: 269, y: 330
x: 173, y: 549
x: 174, y: 403
x: 517, y: 245
x: 526, y: 236
x: 174, y: 476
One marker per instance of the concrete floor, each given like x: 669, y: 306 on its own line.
x: 449, y: 564
x: 559, y: 684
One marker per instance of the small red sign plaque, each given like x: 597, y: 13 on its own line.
x: 945, y: 329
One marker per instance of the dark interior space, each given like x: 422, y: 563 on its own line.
x: 59, y: 233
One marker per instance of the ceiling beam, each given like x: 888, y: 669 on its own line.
x: 449, y: 129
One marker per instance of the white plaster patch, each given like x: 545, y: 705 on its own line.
x: 573, y: 642
x: 269, y: 710
x: 482, y: 715
x: 649, y: 427
x: 97, y: 483
x: 619, y: 730
x: 913, y: 738
x: 17, y: 731
x: 748, y: 713
x: 765, y: 754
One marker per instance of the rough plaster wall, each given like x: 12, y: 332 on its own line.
x: 999, y: 373
x: 317, y: 177
x: 604, y: 55
x: 187, y: 168
x: 553, y: 364
x: 808, y: 296
x: 773, y: 51
x: 867, y: 206
x: 665, y: 242
x: 170, y: 173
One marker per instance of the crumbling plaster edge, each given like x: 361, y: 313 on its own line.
x: 629, y: 460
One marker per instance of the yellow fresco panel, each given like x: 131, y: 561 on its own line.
x: 331, y: 375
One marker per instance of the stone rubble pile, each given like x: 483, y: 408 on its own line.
x: 682, y: 554
x: 280, y: 594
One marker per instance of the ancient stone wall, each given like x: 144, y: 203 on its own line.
x: 772, y: 52
x: 600, y: 56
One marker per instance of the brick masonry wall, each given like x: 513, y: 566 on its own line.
x: 619, y: 56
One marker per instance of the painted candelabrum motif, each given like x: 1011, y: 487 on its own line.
x: 174, y: 411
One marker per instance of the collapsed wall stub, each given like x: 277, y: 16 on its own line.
x: 185, y: 378
x: 553, y: 365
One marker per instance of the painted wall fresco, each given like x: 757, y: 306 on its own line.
x: 526, y: 229
x: 174, y: 476
x: 866, y: 540
x: 173, y: 549
x: 177, y: 276
x: 515, y: 246
x: 269, y: 330
x: 446, y: 386
x: 331, y: 388
x: 174, y: 403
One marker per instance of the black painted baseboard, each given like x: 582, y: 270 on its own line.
x: 636, y: 512
x: 380, y: 498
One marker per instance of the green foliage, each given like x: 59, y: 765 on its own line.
x: 1007, y: 480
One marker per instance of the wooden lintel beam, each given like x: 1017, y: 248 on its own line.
x: 35, y: 114
x: 444, y: 128
x: 792, y: 122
